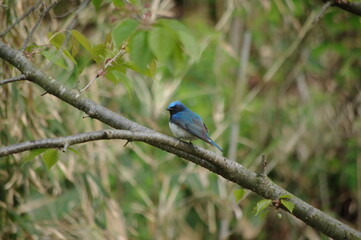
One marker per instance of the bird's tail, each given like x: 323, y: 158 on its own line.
x: 215, y: 144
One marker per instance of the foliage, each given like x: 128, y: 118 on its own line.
x: 305, y: 117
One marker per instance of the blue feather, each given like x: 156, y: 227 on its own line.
x: 188, y: 125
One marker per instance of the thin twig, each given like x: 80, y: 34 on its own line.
x: 27, y: 13
x: 37, y: 24
x: 115, y: 57
x: 325, y: 6
x: 13, y: 79
x: 262, y: 166
x: 226, y: 16
x: 90, y: 83
x: 101, y: 72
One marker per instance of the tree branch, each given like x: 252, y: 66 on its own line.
x: 168, y: 143
x: 347, y: 5
x: 352, y: 7
x: 13, y: 79
x: 322, y: 12
x: 102, y: 71
x: 222, y: 166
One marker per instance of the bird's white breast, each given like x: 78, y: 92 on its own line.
x: 179, y: 132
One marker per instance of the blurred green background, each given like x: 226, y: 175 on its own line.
x: 295, y: 98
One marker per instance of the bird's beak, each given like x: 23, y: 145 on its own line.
x: 168, y: 109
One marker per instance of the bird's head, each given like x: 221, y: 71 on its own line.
x: 175, y: 107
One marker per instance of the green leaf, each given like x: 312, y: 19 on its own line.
x: 289, y: 205
x: 108, y: 39
x: 131, y: 65
x: 55, y: 58
x: 179, y: 62
x: 113, y: 76
x: 173, y: 24
x: 97, y: 3
x: 239, y: 193
x: 153, y: 67
x: 117, y: 65
x: 117, y: 75
x: 118, y: 3
x: 162, y: 42
x: 50, y: 157
x: 82, y: 40
x: 139, y: 50
x: 74, y: 151
x: 262, y: 205
x: 56, y: 39
x: 122, y: 76
x: 99, y: 53
x: 74, y: 46
x: 190, y: 45
x: 123, y: 31
x: 126, y: 82
x: 286, y: 196
x: 67, y: 53
x: 34, y: 153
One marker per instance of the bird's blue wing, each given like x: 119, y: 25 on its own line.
x: 193, y: 124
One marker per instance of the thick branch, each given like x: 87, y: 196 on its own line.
x: 352, y: 7
x: 224, y: 167
x: 347, y: 5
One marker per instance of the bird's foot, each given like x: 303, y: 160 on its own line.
x: 192, y: 145
x: 189, y: 143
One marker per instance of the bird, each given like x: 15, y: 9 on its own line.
x: 187, y: 125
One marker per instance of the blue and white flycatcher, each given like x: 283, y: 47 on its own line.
x: 187, y: 125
